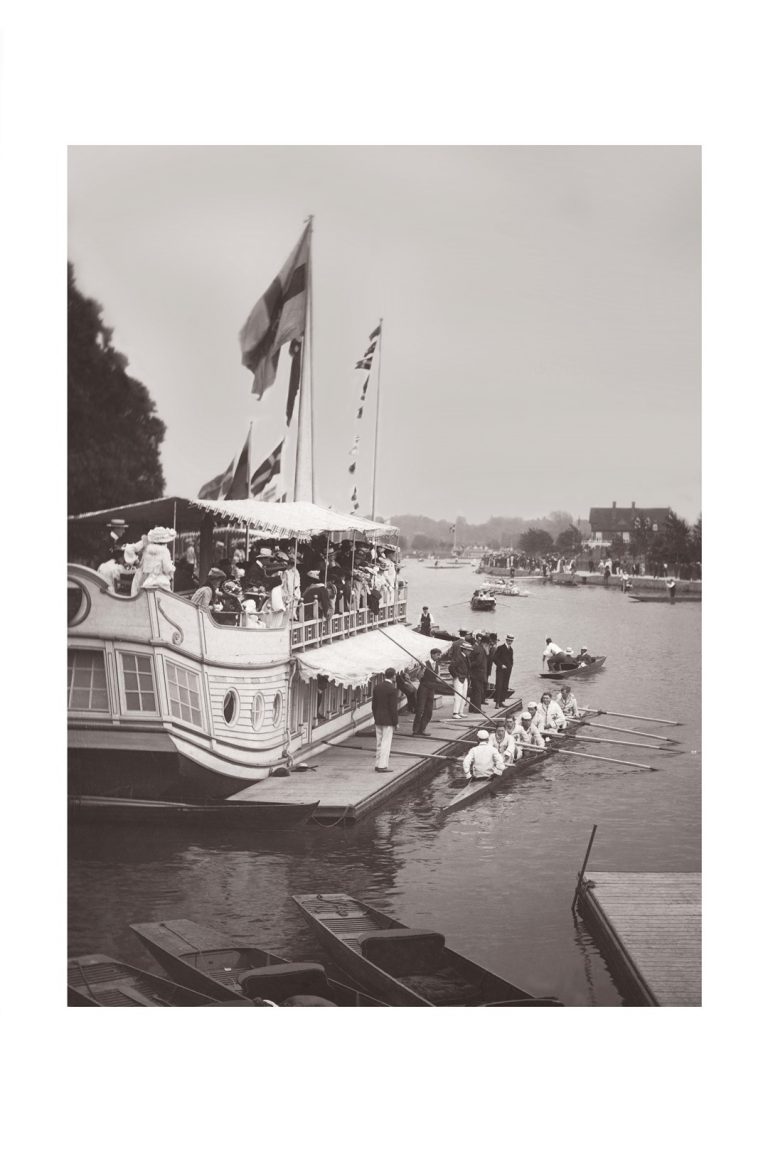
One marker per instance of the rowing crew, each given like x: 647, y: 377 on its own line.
x: 549, y: 717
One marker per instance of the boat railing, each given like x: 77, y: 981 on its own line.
x: 313, y: 630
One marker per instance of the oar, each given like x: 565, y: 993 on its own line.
x: 625, y: 743
x: 447, y: 683
x: 632, y: 732
x: 608, y: 759
x: 630, y: 716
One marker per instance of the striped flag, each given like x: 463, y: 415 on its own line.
x: 231, y: 484
x: 264, y: 479
x: 280, y: 315
x: 365, y: 364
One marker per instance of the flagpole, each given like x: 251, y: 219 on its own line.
x: 378, y: 413
x: 305, y: 430
x: 248, y: 490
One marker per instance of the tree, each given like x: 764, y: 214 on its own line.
x: 114, y: 434
x: 696, y: 541
x: 676, y: 540
x: 535, y: 541
x: 570, y: 540
x: 423, y: 543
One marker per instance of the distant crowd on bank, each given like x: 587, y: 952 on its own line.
x: 522, y: 564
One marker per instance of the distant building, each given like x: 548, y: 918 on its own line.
x: 610, y: 526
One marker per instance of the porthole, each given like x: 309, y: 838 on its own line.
x: 257, y: 711
x: 78, y: 603
x: 277, y: 708
x: 230, y: 707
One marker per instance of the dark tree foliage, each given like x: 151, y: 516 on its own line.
x: 113, y: 430
x: 535, y: 541
x: 569, y: 541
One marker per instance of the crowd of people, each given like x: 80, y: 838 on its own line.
x: 276, y: 581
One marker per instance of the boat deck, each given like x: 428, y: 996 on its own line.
x: 344, y: 776
x: 649, y: 924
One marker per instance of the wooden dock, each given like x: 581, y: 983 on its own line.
x: 649, y: 925
x: 344, y: 780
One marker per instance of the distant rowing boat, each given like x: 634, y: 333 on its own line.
x: 665, y: 598
x: 482, y: 601
x: 582, y: 670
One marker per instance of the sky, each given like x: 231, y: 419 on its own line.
x: 542, y: 338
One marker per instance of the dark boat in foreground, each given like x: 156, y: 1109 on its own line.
x: 98, y: 981
x: 256, y: 815
x: 406, y: 967
x: 582, y: 670
x: 216, y: 965
x: 475, y: 789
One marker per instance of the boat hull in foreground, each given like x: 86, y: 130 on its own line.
x: 98, y: 981
x: 254, y: 815
x: 405, y: 967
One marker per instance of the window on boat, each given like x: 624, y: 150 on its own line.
x: 87, y: 690
x: 257, y: 711
x: 184, y: 694
x: 78, y: 602
x: 277, y: 708
x: 230, y: 707
x: 139, y: 681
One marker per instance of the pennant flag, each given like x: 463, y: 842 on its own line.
x: 376, y: 332
x: 365, y: 363
x: 295, y: 348
x: 264, y: 479
x: 280, y: 315
x: 232, y: 484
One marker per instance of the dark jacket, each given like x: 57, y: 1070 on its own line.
x: 504, y: 657
x: 384, y: 700
x: 432, y: 683
x: 478, y: 664
x: 458, y: 667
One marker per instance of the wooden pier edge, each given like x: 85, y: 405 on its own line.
x: 630, y: 983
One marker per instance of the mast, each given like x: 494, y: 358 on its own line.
x: 378, y: 415
x: 304, y: 472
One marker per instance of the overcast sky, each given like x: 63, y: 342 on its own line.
x: 541, y: 313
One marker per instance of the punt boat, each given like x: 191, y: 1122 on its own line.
x: 582, y: 670
x: 254, y: 815
x: 482, y: 601
x: 216, y: 965
x: 98, y: 981
x: 665, y: 598
x: 407, y: 967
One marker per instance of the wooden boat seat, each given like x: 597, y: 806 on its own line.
x: 401, y: 951
x: 279, y: 982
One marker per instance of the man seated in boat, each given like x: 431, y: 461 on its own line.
x: 568, y: 702
x: 553, y: 655
x: 483, y: 761
x: 549, y: 716
x: 502, y: 742
x: 584, y: 657
x: 525, y: 733
x: 569, y: 659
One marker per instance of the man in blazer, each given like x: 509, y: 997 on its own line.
x: 503, y: 658
x: 425, y: 697
x: 478, y: 676
x: 384, y: 705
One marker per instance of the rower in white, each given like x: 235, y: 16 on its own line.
x: 525, y: 733
x: 483, y: 761
x: 549, y: 715
x: 568, y: 703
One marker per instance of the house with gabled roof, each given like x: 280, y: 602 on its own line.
x: 608, y: 526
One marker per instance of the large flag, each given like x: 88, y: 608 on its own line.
x: 232, y: 484
x: 265, y: 478
x: 280, y: 315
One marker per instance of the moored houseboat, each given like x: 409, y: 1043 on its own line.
x: 165, y: 701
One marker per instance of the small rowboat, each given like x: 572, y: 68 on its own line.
x: 475, y: 789
x: 406, y: 967
x: 665, y: 598
x: 502, y: 588
x: 253, y: 815
x: 582, y: 670
x: 482, y: 601
x: 216, y: 965
x: 98, y: 981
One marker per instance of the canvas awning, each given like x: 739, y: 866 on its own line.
x: 287, y: 521
x: 354, y: 661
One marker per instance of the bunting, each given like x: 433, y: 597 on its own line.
x: 277, y: 317
x: 231, y: 484
x: 265, y: 479
x: 365, y: 364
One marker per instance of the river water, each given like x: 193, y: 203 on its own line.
x: 497, y: 878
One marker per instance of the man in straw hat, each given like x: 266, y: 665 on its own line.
x: 483, y: 761
x: 504, y: 659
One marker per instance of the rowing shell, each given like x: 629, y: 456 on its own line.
x: 582, y: 670
x: 477, y: 788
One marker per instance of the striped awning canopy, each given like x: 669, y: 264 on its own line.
x: 266, y: 519
x: 354, y: 661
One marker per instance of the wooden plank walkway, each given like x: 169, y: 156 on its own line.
x: 344, y: 778
x: 649, y: 924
